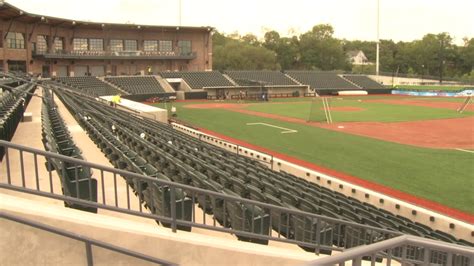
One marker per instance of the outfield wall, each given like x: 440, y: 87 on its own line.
x: 463, y: 93
x: 437, y: 221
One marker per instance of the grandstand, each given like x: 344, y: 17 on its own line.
x: 270, y: 78
x: 322, y: 82
x: 137, y: 84
x: 89, y: 85
x: 200, y: 80
x: 364, y: 82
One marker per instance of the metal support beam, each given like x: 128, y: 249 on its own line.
x: 32, y: 31
x: 9, y: 28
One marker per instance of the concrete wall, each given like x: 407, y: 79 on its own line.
x: 387, y: 80
x: 415, y: 213
x: 21, y: 245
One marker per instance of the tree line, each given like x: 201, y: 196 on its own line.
x: 435, y: 55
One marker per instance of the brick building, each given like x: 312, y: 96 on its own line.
x: 62, y: 47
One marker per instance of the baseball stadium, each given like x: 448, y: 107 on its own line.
x: 131, y: 144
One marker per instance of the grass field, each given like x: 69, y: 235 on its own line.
x: 441, y: 175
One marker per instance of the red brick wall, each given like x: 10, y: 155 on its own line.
x: 200, y: 41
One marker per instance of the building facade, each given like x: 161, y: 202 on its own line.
x: 60, y: 47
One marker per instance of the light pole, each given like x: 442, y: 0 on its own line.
x: 378, y: 40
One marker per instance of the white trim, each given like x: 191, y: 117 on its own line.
x: 287, y: 130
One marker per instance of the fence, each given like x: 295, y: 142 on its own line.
x: 179, y: 206
x: 407, y: 250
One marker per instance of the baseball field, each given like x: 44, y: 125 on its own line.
x: 418, y: 146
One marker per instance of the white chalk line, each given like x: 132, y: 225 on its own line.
x: 465, y: 150
x: 286, y: 130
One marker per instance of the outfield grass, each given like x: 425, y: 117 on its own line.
x: 369, y: 111
x: 443, y: 176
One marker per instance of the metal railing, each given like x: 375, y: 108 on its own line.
x: 407, y: 250
x: 185, y: 207
x: 89, y: 242
x: 238, y: 149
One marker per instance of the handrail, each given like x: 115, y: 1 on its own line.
x: 201, y: 135
x: 8, y: 144
x: 89, y: 242
x: 403, y: 240
x: 194, y: 194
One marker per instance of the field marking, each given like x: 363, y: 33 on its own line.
x: 286, y: 130
x: 465, y: 150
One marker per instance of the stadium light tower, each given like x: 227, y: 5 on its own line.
x: 378, y: 40
x: 179, y: 13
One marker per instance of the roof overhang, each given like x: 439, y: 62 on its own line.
x: 9, y: 12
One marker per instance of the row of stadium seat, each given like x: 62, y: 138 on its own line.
x: 137, y: 85
x: 12, y: 105
x: 322, y: 80
x: 199, y: 80
x: 252, y: 78
x: 89, y: 85
x: 76, y: 181
x: 187, y: 160
x: 364, y: 82
x: 203, y: 79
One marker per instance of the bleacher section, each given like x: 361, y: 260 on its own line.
x: 89, y: 85
x: 157, y: 150
x: 321, y: 81
x: 199, y: 80
x: 76, y: 181
x: 364, y: 82
x: 137, y: 84
x: 252, y: 78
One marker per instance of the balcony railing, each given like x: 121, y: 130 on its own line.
x: 88, y: 54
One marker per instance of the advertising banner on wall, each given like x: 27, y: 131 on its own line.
x: 463, y: 93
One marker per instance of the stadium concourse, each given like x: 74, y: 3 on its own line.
x: 206, y: 194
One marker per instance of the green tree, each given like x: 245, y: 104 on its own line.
x: 320, y: 50
x: 286, y: 49
x: 239, y: 53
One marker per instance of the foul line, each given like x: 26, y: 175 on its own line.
x: 465, y: 150
x: 287, y: 130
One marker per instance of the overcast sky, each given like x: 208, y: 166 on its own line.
x: 404, y: 20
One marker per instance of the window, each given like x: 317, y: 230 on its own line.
x: 79, y: 44
x: 96, y: 44
x: 150, y: 46
x: 116, y: 45
x: 41, y: 44
x: 131, y: 45
x: 19, y: 66
x: 15, y: 40
x: 166, y: 46
x: 184, y: 47
x: 58, y: 44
